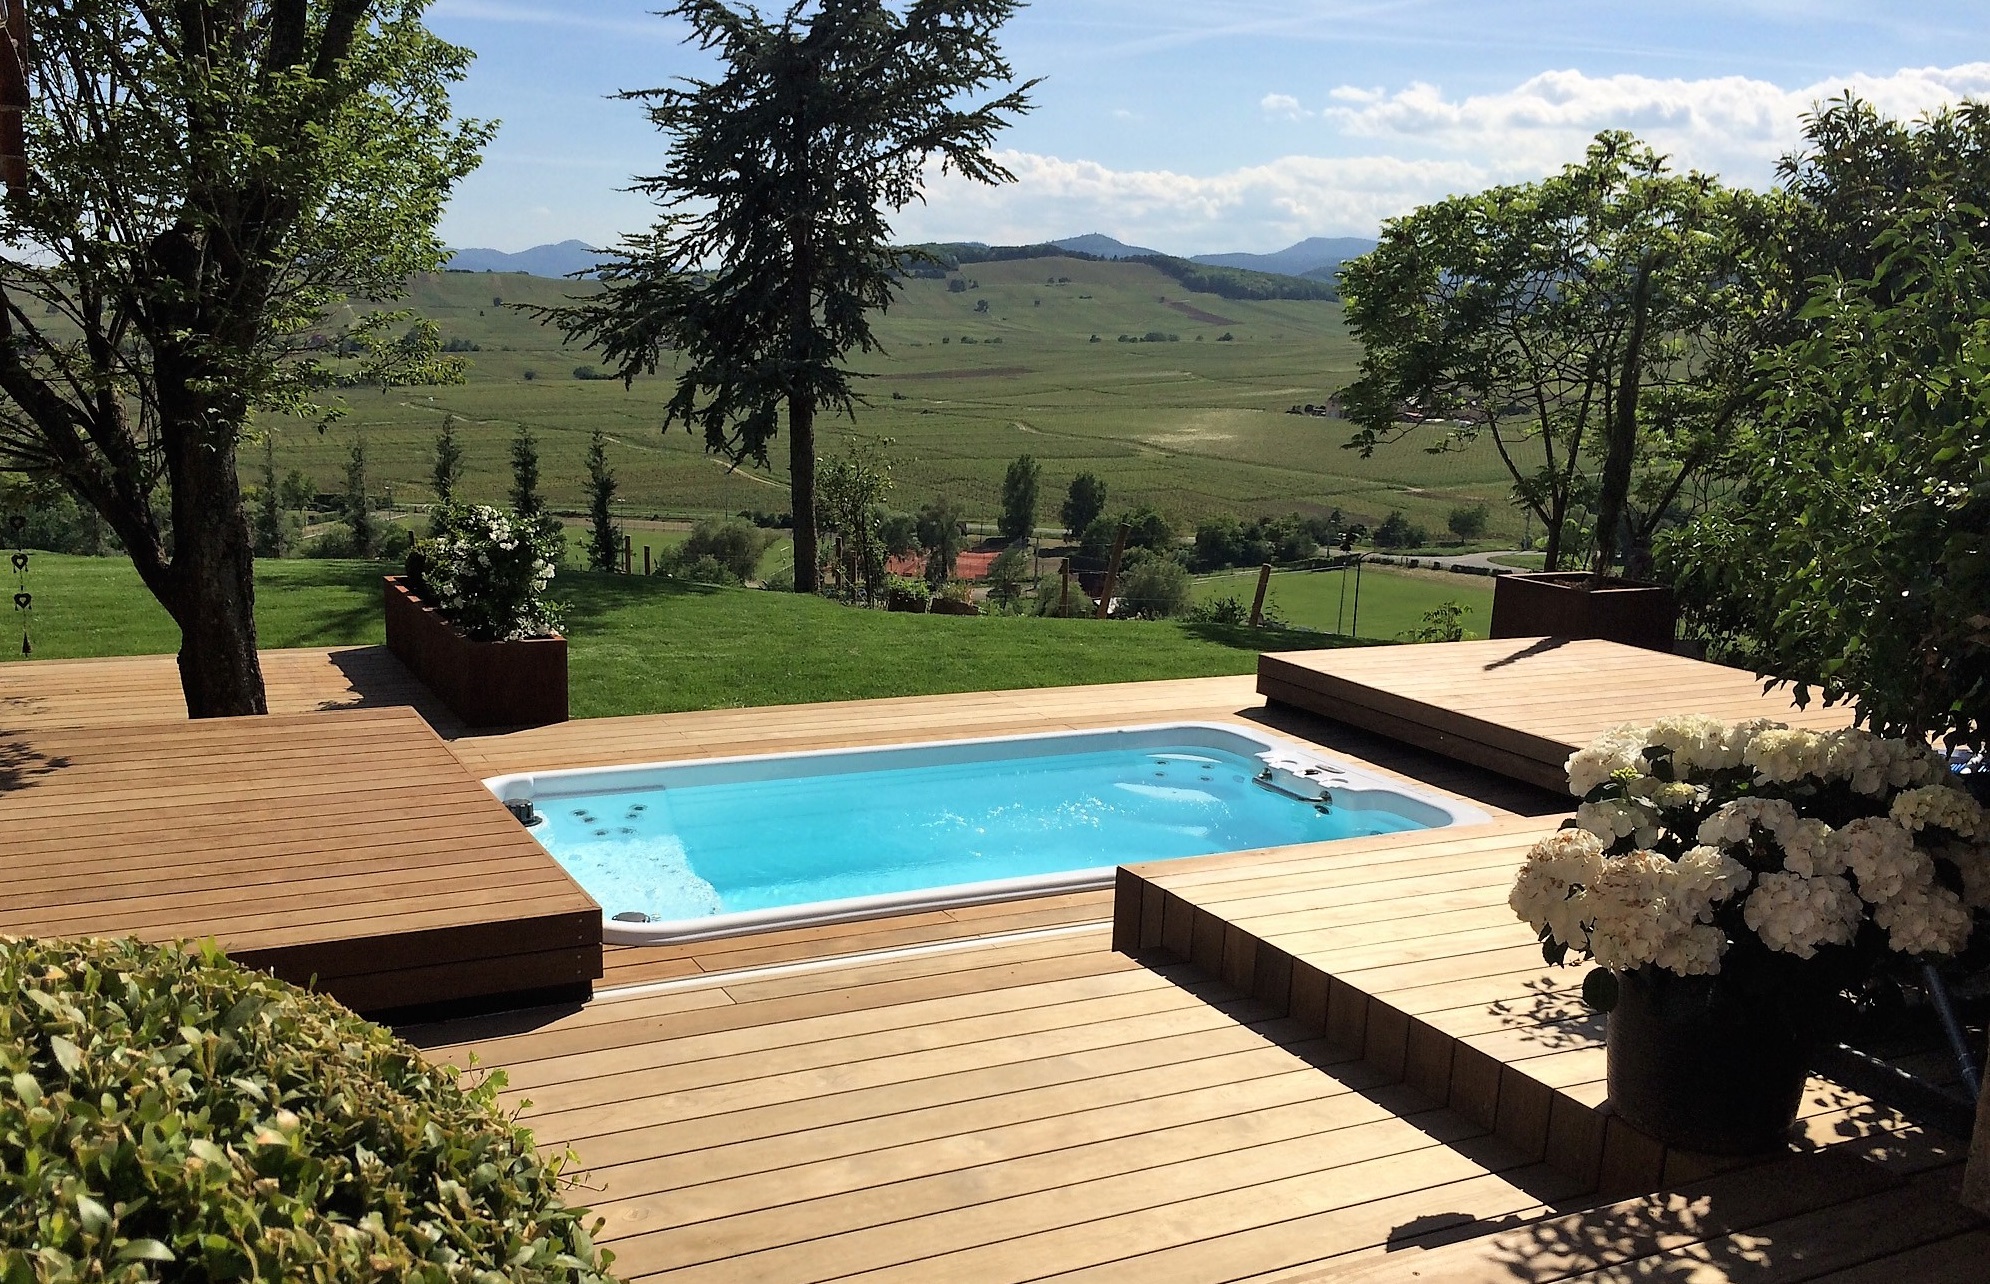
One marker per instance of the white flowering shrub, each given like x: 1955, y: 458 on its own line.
x: 487, y: 571
x: 1699, y: 842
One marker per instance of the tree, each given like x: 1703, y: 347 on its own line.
x: 1468, y: 521
x: 773, y: 248
x: 604, y: 546
x: 850, y: 507
x: 446, y: 473
x: 1600, y: 326
x: 361, y: 530
x: 525, y: 498
x: 1008, y: 574
x: 1019, y: 491
x: 1085, y: 500
x: 1848, y: 553
x: 272, y: 537
x: 298, y: 490
x: 208, y: 180
x: 939, y: 532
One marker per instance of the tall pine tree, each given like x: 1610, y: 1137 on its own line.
x: 604, y: 547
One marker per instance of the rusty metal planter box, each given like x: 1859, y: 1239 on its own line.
x: 1565, y: 604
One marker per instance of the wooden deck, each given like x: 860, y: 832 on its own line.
x: 350, y: 850
x: 1402, y: 951
x: 1518, y: 706
x: 1051, y: 1109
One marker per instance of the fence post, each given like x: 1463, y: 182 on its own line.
x: 1064, y: 592
x: 1257, y: 603
x: 628, y: 554
x: 646, y: 559
x: 1112, y: 573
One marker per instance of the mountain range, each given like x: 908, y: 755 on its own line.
x: 1316, y: 257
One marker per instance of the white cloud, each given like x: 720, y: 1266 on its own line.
x: 1731, y: 124
x: 1261, y: 207
x: 1284, y: 105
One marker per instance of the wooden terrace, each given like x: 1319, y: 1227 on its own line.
x: 1339, y: 1062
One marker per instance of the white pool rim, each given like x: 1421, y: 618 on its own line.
x: 1354, y: 788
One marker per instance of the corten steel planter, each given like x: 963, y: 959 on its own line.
x: 942, y: 606
x: 1567, y: 604
x: 486, y: 684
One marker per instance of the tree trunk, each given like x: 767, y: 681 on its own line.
x: 211, y: 588
x: 1621, y: 432
x: 801, y: 492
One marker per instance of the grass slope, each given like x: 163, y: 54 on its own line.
x: 652, y: 646
x: 1392, y: 603
x: 1195, y: 427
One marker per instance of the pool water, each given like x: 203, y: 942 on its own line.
x: 693, y: 850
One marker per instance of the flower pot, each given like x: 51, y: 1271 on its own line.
x: 906, y: 603
x: 1696, y: 1070
x: 943, y: 607
x: 1566, y: 604
x: 486, y: 684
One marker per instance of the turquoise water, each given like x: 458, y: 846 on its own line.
x: 694, y: 850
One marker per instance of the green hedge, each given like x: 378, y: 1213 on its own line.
x: 165, y: 1114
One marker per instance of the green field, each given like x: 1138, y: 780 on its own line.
x: 653, y: 646
x: 1195, y: 427
x: 1391, y: 603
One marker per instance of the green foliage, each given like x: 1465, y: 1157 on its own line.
x: 1228, y: 610
x: 170, y: 1115
x: 52, y: 519
x: 200, y: 205
x: 1599, y: 325
x: 939, y: 529
x: 1153, y: 586
x: 736, y: 546
x: 487, y: 572
x: 1397, y: 531
x: 768, y: 260
x: 1019, y: 498
x: 899, y: 533
x: 1146, y: 529
x: 903, y: 593
x: 1468, y: 521
x: 850, y: 506
x: 362, y: 531
x: 1009, y: 574
x: 1083, y: 502
x: 1223, y: 542
x: 525, y: 498
x: 604, y: 542
x: 273, y: 533
x: 1052, y: 600
x: 445, y: 474
x: 1853, y: 554
x: 1237, y: 283
x: 1444, y: 622
x: 297, y: 490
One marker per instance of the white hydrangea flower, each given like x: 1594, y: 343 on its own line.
x: 1882, y: 856
x: 1615, y: 818
x: 1698, y: 742
x: 1548, y: 892
x: 1702, y: 878
x: 1628, y: 909
x: 1619, y: 749
x: 1795, y: 914
x: 1694, y: 952
x: 1678, y: 794
x: 1924, y: 919
x: 1784, y: 755
x: 1938, y: 807
x: 1973, y: 859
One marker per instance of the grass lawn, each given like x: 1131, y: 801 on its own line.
x: 655, y: 646
x: 1392, y: 602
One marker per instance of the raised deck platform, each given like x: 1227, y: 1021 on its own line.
x: 348, y: 851
x: 1518, y: 706
x: 1402, y: 950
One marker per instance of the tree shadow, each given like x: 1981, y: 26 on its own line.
x: 1541, y: 647
x: 21, y: 764
x: 588, y: 597
x: 1243, y: 637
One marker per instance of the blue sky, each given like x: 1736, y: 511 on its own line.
x: 1198, y: 126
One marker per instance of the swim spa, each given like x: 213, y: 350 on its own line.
x: 690, y: 850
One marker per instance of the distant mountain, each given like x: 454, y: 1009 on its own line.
x: 1102, y: 246
x: 1317, y: 257
x: 564, y: 259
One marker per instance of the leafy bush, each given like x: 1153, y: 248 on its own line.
x: 391, y: 544
x: 1228, y: 609
x: 487, y: 571
x: 903, y: 593
x: 1146, y: 529
x: 1154, y: 587
x: 1397, y: 531
x: 954, y: 591
x: 1444, y: 622
x: 170, y: 1115
x: 1050, y: 599
x: 1468, y: 522
x: 733, y: 544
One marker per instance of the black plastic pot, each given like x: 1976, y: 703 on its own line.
x: 1693, y: 1071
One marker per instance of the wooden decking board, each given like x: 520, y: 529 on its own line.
x: 1439, y: 985
x: 1518, y: 706
x: 424, y: 892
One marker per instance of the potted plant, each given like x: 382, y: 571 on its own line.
x: 1581, y: 604
x: 902, y: 593
x: 955, y: 597
x: 1733, y: 882
x: 472, y: 621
